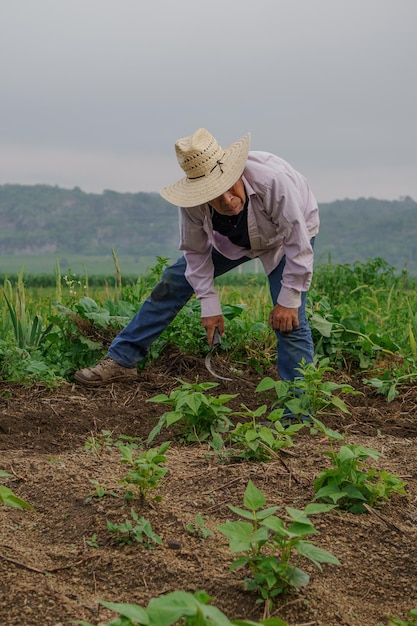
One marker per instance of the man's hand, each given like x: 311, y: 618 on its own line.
x: 283, y: 319
x: 210, y: 324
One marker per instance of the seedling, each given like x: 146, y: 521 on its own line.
x: 100, y: 492
x: 198, y: 415
x: 136, y: 530
x: 105, y: 441
x: 397, y: 621
x: 92, y: 542
x: 102, y: 441
x: 146, y: 470
x: 199, y: 529
x: 351, y: 482
x: 273, y: 547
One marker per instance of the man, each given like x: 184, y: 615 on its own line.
x: 235, y: 205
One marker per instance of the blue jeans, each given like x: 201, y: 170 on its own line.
x: 173, y: 291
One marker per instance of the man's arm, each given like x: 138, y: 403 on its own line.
x: 197, y: 248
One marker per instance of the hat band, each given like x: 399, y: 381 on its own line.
x: 219, y: 163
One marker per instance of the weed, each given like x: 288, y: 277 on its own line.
x: 268, y: 544
x: 256, y: 441
x: 27, y: 332
x: 146, y: 470
x: 136, y: 530
x: 92, y: 542
x: 100, y: 492
x: 54, y: 460
x: 199, y: 529
x: 102, y: 441
x: 397, y: 621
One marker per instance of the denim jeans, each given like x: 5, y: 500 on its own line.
x: 173, y: 291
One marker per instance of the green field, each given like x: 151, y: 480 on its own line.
x: 103, y: 265
x: 362, y: 317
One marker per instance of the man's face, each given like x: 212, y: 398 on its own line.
x: 232, y: 201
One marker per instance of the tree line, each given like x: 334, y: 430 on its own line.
x: 42, y: 219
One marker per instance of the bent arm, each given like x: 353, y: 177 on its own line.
x: 197, y: 247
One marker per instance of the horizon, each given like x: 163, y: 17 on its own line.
x: 401, y: 198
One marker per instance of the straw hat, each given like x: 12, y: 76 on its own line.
x: 210, y: 169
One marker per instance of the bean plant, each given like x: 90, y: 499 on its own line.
x: 273, y: 547
x: 310, y: 394
x: 351, y: 482
x: 198, y: 415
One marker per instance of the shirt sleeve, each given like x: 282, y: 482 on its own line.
x: 287, y: 212
x: 197, y: 247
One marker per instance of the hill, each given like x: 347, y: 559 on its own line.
x: 47, y: 220
x: 368, y: 228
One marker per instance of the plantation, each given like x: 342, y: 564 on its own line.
x: 179, y: 482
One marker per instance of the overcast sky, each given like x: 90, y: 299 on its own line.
x: 94, y: 93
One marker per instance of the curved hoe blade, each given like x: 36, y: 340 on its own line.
x: 210, y: 369
x: 217, y: 340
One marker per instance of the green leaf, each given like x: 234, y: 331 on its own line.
x: 172, y: 417
x: 168, y: 609
x: 238, y: 533
x: 9, y: 499
x: 156, y: 430
x: 266, y: 384
x: 241, y: 535
x: 340, y: 404
x: 321, y: 324
x: 301, y: 529
x: 253, y: 498
x: 295, y: 577
x: 297, y: 515
x: 162, y: 397
x: 260, y: 515
x: 332, y: 434
x: 314, y: 508
x: 330, y: 491
x: 241, y: 512
x: 353, y: 493
x: 276, y: 525
x: 315, y: 554
x: 132, y: 611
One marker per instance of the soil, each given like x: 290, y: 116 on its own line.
x: 51, y: 575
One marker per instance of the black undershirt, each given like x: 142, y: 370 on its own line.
x: 235, y: 227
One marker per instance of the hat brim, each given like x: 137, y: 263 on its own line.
x: 188, y: 193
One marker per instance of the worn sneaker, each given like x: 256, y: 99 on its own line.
x: 106, y: 371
